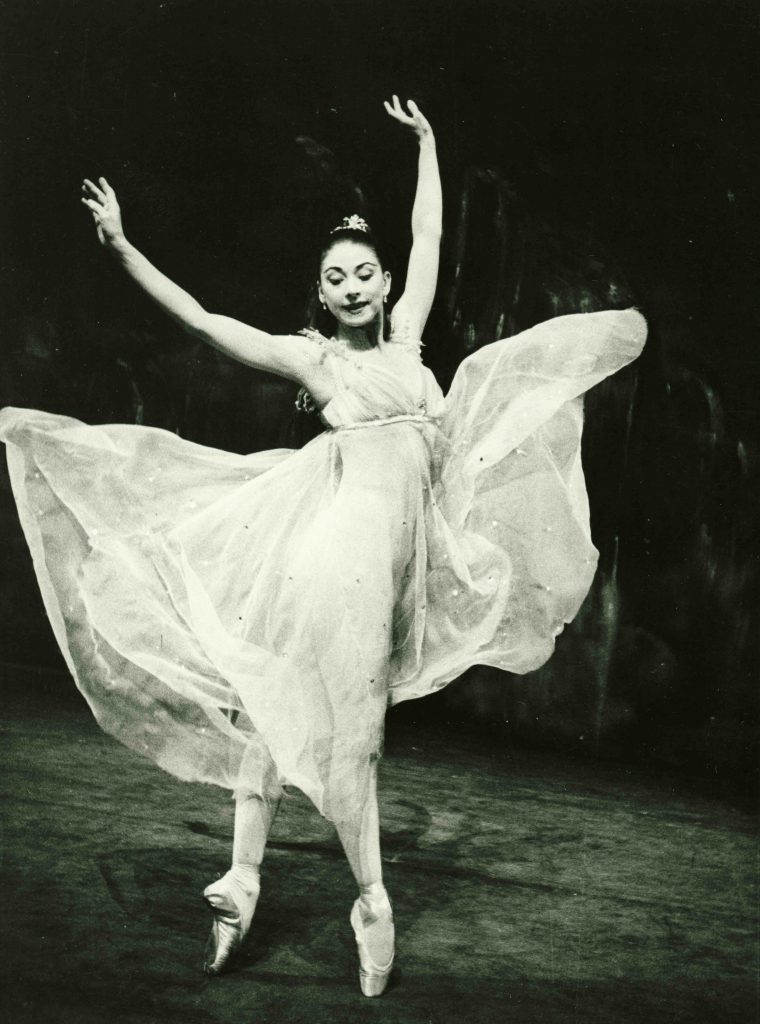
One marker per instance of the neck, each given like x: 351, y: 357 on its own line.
x: 361, y: 337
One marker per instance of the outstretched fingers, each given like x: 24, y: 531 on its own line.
x: 91, y: 190
x: 397, y: 106
x: 414, y: 119
x: 100, y: 199
x: 93, y: 205
x: 110, y: 194
x: 397, y: 111
x: 419, y: 118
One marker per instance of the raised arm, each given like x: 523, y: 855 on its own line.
x: 288, y: 356
x: 410, y: 313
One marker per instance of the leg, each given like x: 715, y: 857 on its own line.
x: 360, y: 838
x: 233, y: 898
x: 254, y: 814
x: 371, y: 916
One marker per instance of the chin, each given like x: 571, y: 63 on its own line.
x: 366, y: 320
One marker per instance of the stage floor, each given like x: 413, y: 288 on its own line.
x: 527, y: 888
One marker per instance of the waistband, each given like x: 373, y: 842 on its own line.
x: 411, y: 418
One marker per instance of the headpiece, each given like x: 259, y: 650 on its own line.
x: 352, y: 223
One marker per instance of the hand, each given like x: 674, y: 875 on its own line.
x: 415, y: 120
x: 102, y: 202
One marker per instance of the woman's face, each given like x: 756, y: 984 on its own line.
x: 352, y: 284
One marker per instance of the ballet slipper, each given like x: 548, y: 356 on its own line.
x: 372, y: 921
x: 232, y: 900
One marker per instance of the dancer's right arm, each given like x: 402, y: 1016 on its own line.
x: 288, y: 356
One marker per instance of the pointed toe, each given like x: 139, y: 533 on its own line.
x: 372, y: 922
x: 233, y: 908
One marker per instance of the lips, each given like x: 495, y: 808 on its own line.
x: 356, y: 307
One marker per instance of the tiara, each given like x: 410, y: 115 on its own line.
x: 352, y: 223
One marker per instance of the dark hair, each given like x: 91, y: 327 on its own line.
x: 315, y: 315
x: 350, y: 235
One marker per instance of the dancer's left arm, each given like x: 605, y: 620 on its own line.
x: 410, y: 313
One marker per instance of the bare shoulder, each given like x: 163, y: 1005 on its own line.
x: 300, y: 356
x: 308, y: 347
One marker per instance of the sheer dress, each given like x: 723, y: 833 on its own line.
x: 220, y: 610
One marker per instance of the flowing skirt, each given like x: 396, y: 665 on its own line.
x: 218, y: 611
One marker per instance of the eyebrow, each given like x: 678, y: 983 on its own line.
x: 366, y: 263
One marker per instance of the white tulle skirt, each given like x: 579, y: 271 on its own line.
x: 218, y: 611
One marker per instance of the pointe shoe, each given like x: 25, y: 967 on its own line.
x: 232, y: 903
x: 368, y: 912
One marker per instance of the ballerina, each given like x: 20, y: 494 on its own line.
x: 246, y: 620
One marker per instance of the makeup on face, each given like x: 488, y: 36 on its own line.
x: 352, y: 283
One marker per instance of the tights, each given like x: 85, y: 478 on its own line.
x: 360, y: 837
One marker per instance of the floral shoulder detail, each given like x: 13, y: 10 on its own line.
x: 328, y: 345
x: 313, y: 335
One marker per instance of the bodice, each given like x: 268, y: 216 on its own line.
x: 384, y: 382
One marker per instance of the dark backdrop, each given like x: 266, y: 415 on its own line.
x: 593, y: 154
